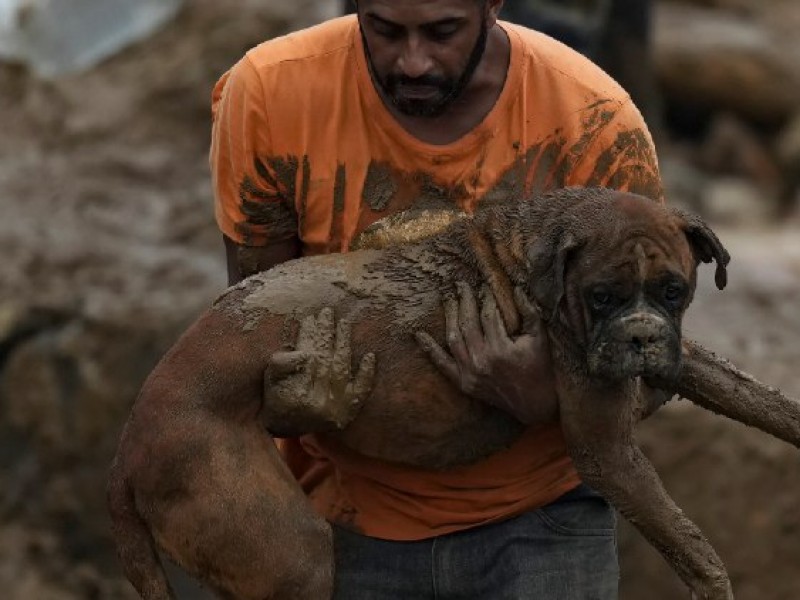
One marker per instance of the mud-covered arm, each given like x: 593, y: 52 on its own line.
x: 309, y: 388
x: 510, y: 372
x: 253, y: 210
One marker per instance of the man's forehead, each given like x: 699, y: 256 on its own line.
x: 415, y: 12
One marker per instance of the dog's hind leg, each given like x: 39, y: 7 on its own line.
x: 598, y: 427
x: 235, y: 518
x: 134, y: 541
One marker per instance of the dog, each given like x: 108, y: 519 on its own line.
x: 198, y: 477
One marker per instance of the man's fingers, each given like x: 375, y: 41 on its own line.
x: 364, y: 379
x: 306, y: 334
x: 326, y: 331
x: 316, y: 337
x: 340, y: 361
x: 455, y: 339
x: 531, y: 314
x: 283, y: 364
x: 494, y: 328
x: 443, y: 361
x: 469, y: 318
x: 316, y: 332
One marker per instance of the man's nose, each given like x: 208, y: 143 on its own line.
x: 415, y: 61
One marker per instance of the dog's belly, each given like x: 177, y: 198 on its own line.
x: 415, y: 417
x: 431, y: 443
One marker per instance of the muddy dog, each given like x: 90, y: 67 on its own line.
x: 198, y: 476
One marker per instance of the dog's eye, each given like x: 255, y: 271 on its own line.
x: 673, y: 292
x: 601, y: 298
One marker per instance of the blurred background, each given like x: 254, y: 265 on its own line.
x: 110, y: 251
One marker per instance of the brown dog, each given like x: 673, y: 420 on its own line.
x: 197, y: 476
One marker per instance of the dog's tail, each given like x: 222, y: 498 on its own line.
x: 135, y: 545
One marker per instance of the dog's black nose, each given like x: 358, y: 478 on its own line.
x: 641, y: 331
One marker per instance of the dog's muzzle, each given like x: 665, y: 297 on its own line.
x: 638, y: 344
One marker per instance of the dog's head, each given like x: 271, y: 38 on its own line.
x: 618, y: 273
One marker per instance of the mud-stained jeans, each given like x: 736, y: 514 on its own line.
x: 564, y: 551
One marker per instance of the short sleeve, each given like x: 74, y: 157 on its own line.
x: 623, y: 157
x: 249, y: 205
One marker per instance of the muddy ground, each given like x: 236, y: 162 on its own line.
x: 109, y: 249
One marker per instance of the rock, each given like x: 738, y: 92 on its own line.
x: 718, y: 59
x: 734, y: 148
x: 684, y: 183
x: 296, y: 13
x: 33, y: 567
x: 65, y: 390
x: 788, y: 145
x: 787, y: 150
x: 738, y: 201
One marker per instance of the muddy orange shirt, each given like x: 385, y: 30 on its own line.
x: 303, y: 146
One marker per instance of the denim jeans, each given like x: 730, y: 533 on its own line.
x: 563, y: 551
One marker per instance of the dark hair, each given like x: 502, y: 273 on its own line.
x: 354, y: 4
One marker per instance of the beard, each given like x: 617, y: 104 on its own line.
x: 438, y: 92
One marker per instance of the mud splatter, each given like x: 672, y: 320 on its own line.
x: 541, y: 176
x: 511, y: 184
x: 593, y: 124
x: 284, y: 174
x: 262, y: 208
x: 433, y: 193
x: 305, y: 183
x: 339, y: 188
x: 408, y: 226
x: 629, y: 164
x: 379, y: 186
x: 264, y: 173
x: 337, y: 225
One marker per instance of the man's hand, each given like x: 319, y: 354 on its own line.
x: 310, y: 389
x: 512, y: 374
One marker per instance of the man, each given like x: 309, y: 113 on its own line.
x: 435, y: 104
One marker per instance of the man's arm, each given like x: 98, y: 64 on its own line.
x: 310, y: 387
x: 244, y: 261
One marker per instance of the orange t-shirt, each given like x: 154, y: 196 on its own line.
x: 303, y: 146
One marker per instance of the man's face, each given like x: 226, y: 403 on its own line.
x: 423, y: 53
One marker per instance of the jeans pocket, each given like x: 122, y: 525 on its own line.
x: 582, y: 514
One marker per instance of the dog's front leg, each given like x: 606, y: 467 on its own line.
x: 598, y: 427
x: 715, y: 384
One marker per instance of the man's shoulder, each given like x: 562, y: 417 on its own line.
x: 306, y: 47
x: 545, y: 58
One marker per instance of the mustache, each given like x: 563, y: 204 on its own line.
x: 394, y: 80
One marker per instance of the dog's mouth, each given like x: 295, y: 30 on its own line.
x: 637, y: 345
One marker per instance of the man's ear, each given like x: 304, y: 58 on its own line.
x: 493, y: 10
x: 547, y: 260
x: 705, y: 244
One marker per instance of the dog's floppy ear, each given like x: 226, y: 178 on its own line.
x: 706, y: 245
x: 547, y: 259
